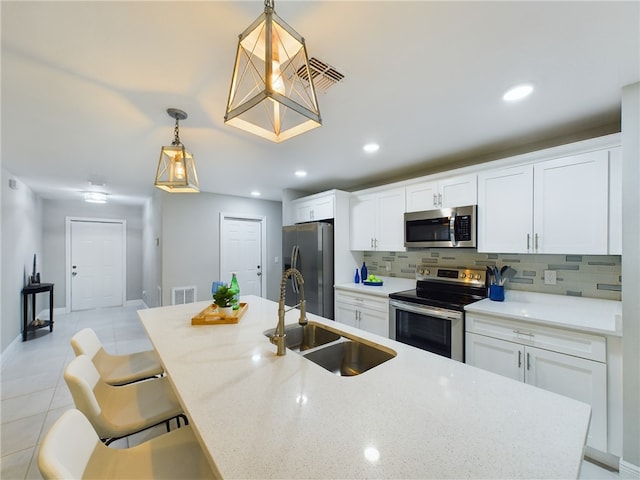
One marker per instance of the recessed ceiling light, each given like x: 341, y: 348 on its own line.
x: 255, y: 193
x: 517, y: 93
x: 371, y: 147
x: 301, y: 173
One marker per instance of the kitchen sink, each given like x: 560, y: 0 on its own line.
x: 349, y: 358
x: 343, y: 355
x: 300, y: 338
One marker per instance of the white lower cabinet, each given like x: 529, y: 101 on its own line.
x: 368, y: 312
x: 551, y: 368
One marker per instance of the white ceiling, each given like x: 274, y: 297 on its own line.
x: 86, y: 85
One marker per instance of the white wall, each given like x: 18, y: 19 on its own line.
x: 151, y: 251
x: 631, y: 272
x: 21, y: 239
x: 54, y: 231
x: 190, y: 240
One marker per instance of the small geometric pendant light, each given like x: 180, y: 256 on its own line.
x: 176, y: 168
x: 268, y: 96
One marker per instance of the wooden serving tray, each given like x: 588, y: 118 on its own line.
x: 211, y: 316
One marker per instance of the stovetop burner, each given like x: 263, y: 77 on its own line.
x: 451, y: 288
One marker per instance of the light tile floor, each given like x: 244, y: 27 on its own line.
x: 34, y: 393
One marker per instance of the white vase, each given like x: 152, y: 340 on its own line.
x: 226, y: 311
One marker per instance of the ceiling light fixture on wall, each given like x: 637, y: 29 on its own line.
x: 176, y: 168
x: 95, y: 197
x: 268, y: 97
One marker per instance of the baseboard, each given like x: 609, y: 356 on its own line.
x: 604, y: 459
x: 629, y: 470
x: 6, y: 355
x: 135, y: 303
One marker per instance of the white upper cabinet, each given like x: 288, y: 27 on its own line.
x: 556, y: 206
x: 377, y: 221
x: 615, y: 201
x: 571, y: 198
x: 505, y: 210
x: 314, y: 208
x: 449, y: 192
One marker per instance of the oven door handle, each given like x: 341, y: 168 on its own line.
x: 426, y: 310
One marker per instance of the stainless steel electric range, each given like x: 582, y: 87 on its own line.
x: 431, y: 317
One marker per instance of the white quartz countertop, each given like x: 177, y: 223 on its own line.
x: 389, y: 285
x: 575, y: 313
x: 417, y: 415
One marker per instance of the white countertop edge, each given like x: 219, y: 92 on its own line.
x: 389, y: 285
x: 590, y: 315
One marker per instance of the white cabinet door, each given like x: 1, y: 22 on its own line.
x: 347, y: 314
x: 615, y: 201
x: 316, y: 209
x: 374, y: 321
x: 445, y: 193
x: 577, y: 378
x: 497, y: 356
x: 422, y: 196
x: 458, y: 191
x: 363, y: 219
x: 571, y: 204
x: 390, y: 220
x: 505, y: 210
x: 377, y: 221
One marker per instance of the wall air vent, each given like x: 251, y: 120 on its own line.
x: 182, y: 295
x: 323, y: 74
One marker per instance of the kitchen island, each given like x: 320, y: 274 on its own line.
x: 417, y: 415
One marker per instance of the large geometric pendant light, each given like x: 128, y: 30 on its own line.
x: 268, y: 96
x: 176, y: 168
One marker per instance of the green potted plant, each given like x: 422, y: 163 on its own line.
x: 223, y: 298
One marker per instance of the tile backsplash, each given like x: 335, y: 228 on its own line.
x: 593, y: 276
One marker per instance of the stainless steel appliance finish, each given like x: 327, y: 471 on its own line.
x: 431, y: 317
x: 308, y: 247
x: 446, y: 227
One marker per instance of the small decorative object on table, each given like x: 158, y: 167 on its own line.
x: 356, y: 277
x: 372, y: 280
x: 364, y: 272
x: 236, y: 291
x: 213, y: 316
x: 224, y: 298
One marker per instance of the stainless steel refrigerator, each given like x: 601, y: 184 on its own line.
x: 308, y: 247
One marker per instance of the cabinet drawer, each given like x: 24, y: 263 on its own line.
x: 578, y: 344
x: 372, y: 302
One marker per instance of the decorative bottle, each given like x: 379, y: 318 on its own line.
x: 363, y: 273
x: 236, y: 291
x: 356, y: 278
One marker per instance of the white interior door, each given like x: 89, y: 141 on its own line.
x: 97, y: 264
x: 241, y: 251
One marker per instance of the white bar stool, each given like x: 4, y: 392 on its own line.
x: 71, y: 449
x: 116, y: 369
x: 117, y: 412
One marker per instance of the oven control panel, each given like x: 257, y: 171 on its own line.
x: 467, y: 276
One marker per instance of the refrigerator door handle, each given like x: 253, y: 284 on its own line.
x: 294, y: 264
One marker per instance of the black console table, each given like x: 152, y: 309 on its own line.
x: 35, y: 324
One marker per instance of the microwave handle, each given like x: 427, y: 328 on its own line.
x: 452, y: 228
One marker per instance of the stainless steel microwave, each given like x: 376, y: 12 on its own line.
x: 445, y: 227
